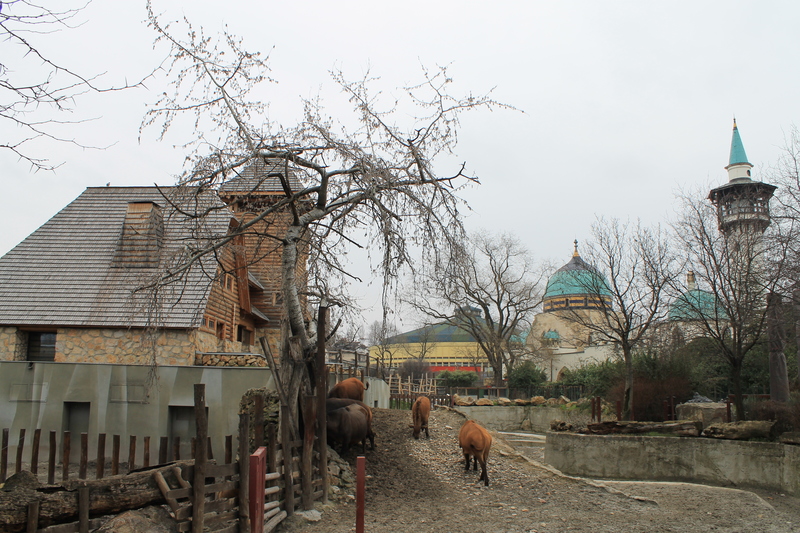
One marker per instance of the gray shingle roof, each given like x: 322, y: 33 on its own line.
x: 64, y: 273
x: 259, y: 177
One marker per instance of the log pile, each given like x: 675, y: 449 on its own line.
x: 679, y: 428
x: 59, y: 504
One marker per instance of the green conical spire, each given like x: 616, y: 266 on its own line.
x: 737, y: 148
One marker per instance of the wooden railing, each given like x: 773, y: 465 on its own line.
x: 203, y: 495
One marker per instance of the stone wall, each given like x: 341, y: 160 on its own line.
x: 526, y: 417
x: 766, y: 465
x: 221, y: 359
x: 12, y: 344
x: 124, y: 346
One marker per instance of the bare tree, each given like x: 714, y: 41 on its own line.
x: 379, y: 334
x: 37, y: 92
x: 371, y: 183
x: 423, y: 345
x: 786, y: 213
x: 490, y: 290
x: 626, y: 296
x: 739, y: 268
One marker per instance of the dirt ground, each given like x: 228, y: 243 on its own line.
x: 421, y: 486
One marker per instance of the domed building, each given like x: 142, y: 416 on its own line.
x: 691, y: 309
x: 576, y: 288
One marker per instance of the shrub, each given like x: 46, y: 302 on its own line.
x: 457, y: 378
x: 526, y: 376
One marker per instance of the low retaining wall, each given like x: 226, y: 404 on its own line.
x: 765, y: 465
x: 525, y: 417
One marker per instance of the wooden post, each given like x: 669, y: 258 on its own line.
x: 163, y: 447
x: 257, y: 469
x: 258, y: 422
x: 84, y: 456
x: 360, y: 481
x: 286, y: 444
x: 209, y: 451
x: 37, y: 435
x: 146, y: 460
x: 33, y: 517
x: 321, y: 374
x: 83, y: 510
x: 20, y: 447
x: 199, y: 483
x: 115, y: 456
x: 306, y: 464
x: 51, y: 464
x: 176, y: 449
x: 228, y: 449
x: 244, y: 473
x: 65, y: 457
x: 132, y: 454
x: 101, y: 456
x: 4, y: 456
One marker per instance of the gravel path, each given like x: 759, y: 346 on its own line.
x: 421, y: 486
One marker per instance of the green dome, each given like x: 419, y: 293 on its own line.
x: 695, y: 304
x: 576, y: 278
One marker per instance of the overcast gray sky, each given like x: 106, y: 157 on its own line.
x: 624, y: 102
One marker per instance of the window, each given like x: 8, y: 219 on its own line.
x: 41, y: 346
x: 244, y: 335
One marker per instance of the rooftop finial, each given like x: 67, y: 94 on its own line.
x: 575, y: 252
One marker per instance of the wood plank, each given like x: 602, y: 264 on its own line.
x: 272, y: 524
x: 212, y: 520
x: 213, y: 470
x: 72, y: 527
x: 271, y: 490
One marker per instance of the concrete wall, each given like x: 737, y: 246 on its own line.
x: 527, y: 417
x: 38, y: 395
x: 766, y: 465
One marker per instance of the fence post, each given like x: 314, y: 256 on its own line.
x: 84, y: 456
x: 244, y: 472
x: 65, y: 457
x: 51, y: 465
x: 306, y: 466
x: 4, y: 456
x: 101, y: 456
x: 37, y: 436
x: 20, y: 446
x: 619, y: 410
x: 199, y: 488
x: 115, y: 455
x: 257, y: 469
x: 286, y: 444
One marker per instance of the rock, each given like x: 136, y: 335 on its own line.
x: 22, y: 480
x: 707, y: 413
x: 563, y: 400
x: 504, y: 401
x: 484, y: 401
x: 697, y: 398
x: 538, y: 400
x: 522, y: 402
x: 552, y: 402
x: 312, y: 515
x: 465, y: 401
x: 560, y: 425
x: 151, y: 519
x: 526, y: 425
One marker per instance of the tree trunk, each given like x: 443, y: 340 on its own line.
x: 736, y: 381
x: 682, y: 428
x: 796, y: 305
x: 106, y: 496
x: 627, y: 398
x: 778, y: 374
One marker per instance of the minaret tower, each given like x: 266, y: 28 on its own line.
x: 742, y: 204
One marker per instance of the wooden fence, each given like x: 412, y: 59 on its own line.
x: 405, y: 401
x: 203, y: 495
x: 104, y: 465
